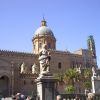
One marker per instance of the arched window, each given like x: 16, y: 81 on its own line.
x: 59, y: 65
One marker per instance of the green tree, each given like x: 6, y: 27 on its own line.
x: 59, y: 77
x: 87, y: 85
x: 71, y: 76
x: 87, y: 77
x: 87, y: 74
x: 69, y: 89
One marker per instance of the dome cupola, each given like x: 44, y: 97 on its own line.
x: 43, y: 30
x: 43, y: 35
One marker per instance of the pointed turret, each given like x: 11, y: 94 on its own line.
x: 91, y: 46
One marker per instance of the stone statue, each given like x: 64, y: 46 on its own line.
x: 93, y: 72
x: 22, y: 68
x: 34, y: 69
x: 44, y: 59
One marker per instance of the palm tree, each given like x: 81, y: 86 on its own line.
x: 87, y: 74
x: 87, y: 77
x: 69, y: 89
x: 87, y: 85
x: 71, y: 75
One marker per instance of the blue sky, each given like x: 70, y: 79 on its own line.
x: 72, y: 21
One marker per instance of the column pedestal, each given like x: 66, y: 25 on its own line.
x: 46, y: 87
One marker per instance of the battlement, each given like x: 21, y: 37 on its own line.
x: 60, y: 52
x: 15, y: 53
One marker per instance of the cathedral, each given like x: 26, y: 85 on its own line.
x: 18, y: 70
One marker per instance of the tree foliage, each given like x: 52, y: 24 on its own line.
x: 59, y: 77
x: 69, y: 89
x: 87, y: 84
x: 87, y: 74
x: 71, y: 75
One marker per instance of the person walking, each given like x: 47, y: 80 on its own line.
x: 58, y: 97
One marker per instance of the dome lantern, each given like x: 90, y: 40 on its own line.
x: 43, y: 22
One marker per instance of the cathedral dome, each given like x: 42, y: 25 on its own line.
x: 43, y: 30
x: 43, y: 35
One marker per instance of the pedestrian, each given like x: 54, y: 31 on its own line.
x: 29, y: 98
x: 0, y: 97
x: 22, y: 97
x: 77, y: 98
x: 90, y: 96
x: 58, y: 97
x: 18, y: 96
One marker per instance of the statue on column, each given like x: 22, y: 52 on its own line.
x: 34, y: 69
x: 93, y: 72
x: 44, y: 59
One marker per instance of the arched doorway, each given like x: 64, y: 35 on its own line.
x: 4, y: 86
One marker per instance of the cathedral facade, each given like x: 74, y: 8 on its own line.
x: 19, y: 70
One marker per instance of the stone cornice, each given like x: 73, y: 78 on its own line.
x: 60, y: 52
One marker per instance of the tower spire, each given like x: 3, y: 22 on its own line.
x: 91, y: 46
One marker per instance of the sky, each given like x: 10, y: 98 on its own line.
x: 71, y: 21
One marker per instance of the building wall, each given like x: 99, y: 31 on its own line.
x: 10, y: 63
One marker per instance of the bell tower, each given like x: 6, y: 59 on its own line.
x: 91, y: 47
x: 43, y: 35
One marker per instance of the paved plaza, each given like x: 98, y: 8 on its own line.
x: 8, y: 98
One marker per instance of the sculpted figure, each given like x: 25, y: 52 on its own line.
x: 94, y: 71
x: 44, y: 59
x: 22, y: 68
x: 34, y: 69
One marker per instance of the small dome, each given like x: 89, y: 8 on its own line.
x: 43, y: 30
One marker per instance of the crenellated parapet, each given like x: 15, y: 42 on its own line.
x: 59, y: 52
x: 64, y: 53
x: 15, y: 53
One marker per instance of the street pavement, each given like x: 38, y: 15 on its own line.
x: 8, y: 98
